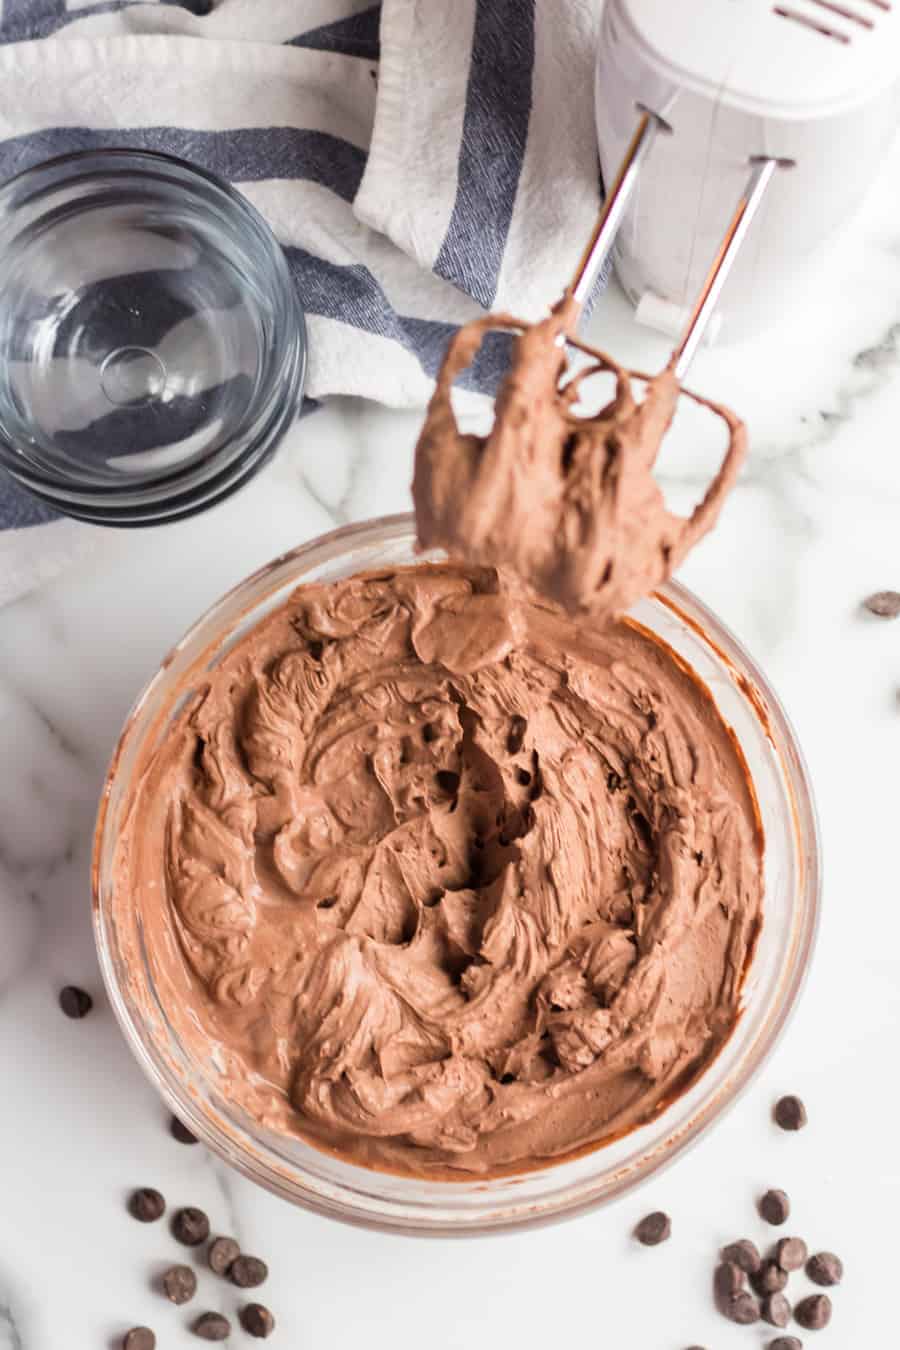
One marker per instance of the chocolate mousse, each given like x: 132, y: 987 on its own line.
x: 566, y: 501
x: 441, y: 881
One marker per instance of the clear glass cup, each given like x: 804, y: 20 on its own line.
x: 307, y: 1176
x: 152, y: 347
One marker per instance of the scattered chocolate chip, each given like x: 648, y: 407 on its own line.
x: 517, y: 728
x: 190, y: 1226
x: 770, y: 1278
x: 247, y: 1272
x: 744, y: 1254
x: 825, y: 1268
x: 785, y: 1343
x: 257, y: 1320
x: 75, y: 1003
x: 775, y: 1207
x: 211, y: 1326
x: 791, y: 1253
x: 222, y: 1251
x: 813, y: 1313
x: 139, y: 1338
x: 743, y: 1309
x: 179, y: 1284
x: 886, y: 604
x: 181, y: 1132
x: 653, y: 1229
x: 146, y: 1205
x: 790, y: 1113
x: 728, y: 1280
x: 776, y: 1310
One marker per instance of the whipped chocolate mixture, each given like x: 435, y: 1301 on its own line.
x: 567, y: 502
x: 443, y: 883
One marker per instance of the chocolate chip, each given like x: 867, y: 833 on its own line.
x: 886, y: 604
x: 75, y: 1003
x: 190, y: 1226
x: 770, y: 1278
x: 776, y: 1310
x: 775, y: 1207
x: 181, y: 1132
x: 743, y: 1309
x: 825, y: 1268
x: 139, y: 1338
x: 257, y: 1320
x: 247, y: 1272
x: 517, y: 728
x: 653, y: 1229
x: 222, y: 1251
x: 146, y: 1205
x: 813, y: 1313
x: 728, y: 1280
x: 744, y: 1254
x: 179, y: 1284
x: 785, y: 1343
x: 791, y: 1253
x: 790, y: 1113
x: 211, y: 1326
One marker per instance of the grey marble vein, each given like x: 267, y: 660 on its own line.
x: 9, y: 1330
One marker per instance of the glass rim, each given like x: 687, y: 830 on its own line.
x: 417, y: 1219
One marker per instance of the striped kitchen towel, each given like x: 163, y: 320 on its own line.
x: 419, y: 160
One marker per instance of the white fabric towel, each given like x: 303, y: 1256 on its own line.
x: 418, y: 162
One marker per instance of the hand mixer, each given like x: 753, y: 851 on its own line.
x: 812, y: 81
x: 568, y: 502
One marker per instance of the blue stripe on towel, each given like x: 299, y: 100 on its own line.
x: 352, y: 295
x: 495, y: 130
x: 357, y: 35
x: 248, y: 155
x: 18, y: 509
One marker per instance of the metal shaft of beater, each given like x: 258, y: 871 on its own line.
x: 610, y: 218
x: 750, y: 201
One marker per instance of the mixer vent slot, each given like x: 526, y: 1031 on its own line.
x: 814, y: 25
x: 848, y: 10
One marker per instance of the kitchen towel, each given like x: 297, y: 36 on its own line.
x: 419, y: 160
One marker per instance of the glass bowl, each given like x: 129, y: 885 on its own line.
x: 152, y: 348
x: 307, y: 1176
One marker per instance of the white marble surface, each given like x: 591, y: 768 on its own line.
x: 813, y: 527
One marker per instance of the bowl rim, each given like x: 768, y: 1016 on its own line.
x: 685, y: 606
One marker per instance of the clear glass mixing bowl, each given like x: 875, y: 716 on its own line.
x: 301, y: 1173
x: 152, y: 347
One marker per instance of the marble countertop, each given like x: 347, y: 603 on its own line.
x: 813, y: 527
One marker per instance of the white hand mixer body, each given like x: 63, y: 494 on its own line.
x: 816, y: 82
